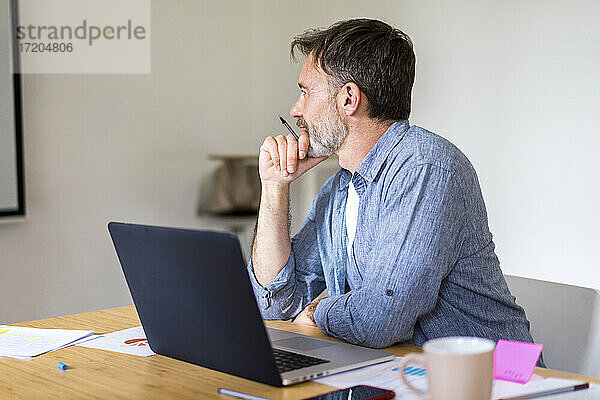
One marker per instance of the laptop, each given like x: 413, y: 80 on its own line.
x: 194, y: 298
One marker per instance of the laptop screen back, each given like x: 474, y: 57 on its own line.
x: 194, y: 298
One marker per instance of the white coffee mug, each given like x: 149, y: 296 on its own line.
x: 458, y: 368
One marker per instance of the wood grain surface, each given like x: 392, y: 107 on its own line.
x: 99, y: 374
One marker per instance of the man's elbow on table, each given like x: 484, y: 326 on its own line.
x: 376, y: 331
x: 381, y: 339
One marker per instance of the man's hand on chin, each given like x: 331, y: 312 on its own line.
x: 306, y: 317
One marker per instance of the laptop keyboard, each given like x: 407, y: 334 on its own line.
x: 288, y: 361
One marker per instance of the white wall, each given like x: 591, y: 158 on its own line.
x: 123, y: 147
x: 513, y: 84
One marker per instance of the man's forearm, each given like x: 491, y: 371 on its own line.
x: 271, y: 248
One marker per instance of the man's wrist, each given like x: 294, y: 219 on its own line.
x: 275, y: 198
x: 274, y: 188
x: 310, y: 311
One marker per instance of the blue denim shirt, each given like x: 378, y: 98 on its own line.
x: 423, y: 262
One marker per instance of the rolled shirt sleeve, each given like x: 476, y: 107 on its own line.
x: 413, y: 250
x: 299, y: 282
x: 281, y: 288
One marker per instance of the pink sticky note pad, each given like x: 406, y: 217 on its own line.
x: 515, y: 361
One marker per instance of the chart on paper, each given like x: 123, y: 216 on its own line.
x: 129, y: 341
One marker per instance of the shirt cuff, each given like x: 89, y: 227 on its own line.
x: 264, y: 294
x: 321, y: 314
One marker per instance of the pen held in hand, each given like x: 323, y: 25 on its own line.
x: 289, y: 128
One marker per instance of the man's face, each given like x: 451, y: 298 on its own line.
x: 317, y: 112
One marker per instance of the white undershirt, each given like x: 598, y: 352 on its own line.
x: 351, y: 216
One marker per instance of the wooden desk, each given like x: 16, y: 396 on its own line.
x: 102, y: 374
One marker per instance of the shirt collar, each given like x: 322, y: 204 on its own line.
x: 370, y: 165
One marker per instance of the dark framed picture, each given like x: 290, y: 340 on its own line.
x: 12, y: 184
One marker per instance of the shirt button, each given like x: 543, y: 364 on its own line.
x: 389, y: 292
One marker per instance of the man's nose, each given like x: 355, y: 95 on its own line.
x: 295, y: 111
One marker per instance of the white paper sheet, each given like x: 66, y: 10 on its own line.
x: 21, y: 342
x: 387, y: 376
x: 129, y: 341
x: 85, y: 339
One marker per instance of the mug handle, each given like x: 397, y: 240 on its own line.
x: 416, y: 358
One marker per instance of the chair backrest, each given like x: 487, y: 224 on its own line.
x: 566, y: 319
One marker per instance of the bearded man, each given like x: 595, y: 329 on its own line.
x: 399, y: 235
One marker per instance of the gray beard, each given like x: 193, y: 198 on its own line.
x: 326, y: 135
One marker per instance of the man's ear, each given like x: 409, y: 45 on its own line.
x: 349, y: 98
